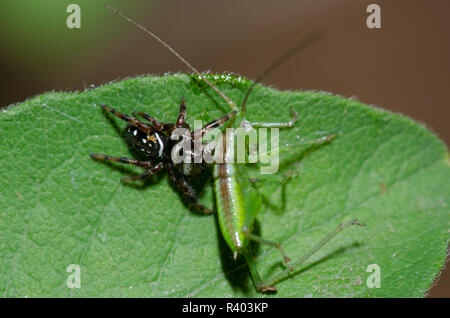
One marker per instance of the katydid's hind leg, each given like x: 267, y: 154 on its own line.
x: 276, y: 245
x: 283, y: 274
x: 156, y: 125
x: 187, y: 190
x: 288, y: 124
x: 257, y: 281
x: 131, y: 120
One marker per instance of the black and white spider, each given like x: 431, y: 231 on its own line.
x: 153, y: 140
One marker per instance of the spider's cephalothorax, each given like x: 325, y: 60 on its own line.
x: 153, y: 146
x: 152, y: 140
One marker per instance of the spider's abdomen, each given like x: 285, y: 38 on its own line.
x: 152, y: 145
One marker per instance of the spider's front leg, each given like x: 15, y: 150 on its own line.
x: 157, y: 126
x: 143, y: 164
x: 131, y: 120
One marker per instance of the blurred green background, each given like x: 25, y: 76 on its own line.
x: 403, y: 67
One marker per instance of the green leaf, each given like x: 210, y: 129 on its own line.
x: 59, y: 207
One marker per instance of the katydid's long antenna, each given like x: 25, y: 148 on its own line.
x: 297, y: 48
x: 182, y: 59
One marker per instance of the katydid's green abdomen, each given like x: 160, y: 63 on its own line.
x: 230, y: 206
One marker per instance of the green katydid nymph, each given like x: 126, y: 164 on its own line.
x: 238, y: 201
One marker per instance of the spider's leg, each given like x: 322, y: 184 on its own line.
x: 155, y: 123
x: 187, y: 190
x: 158, y: 126
x: 182, y: 115
x: 213, y: 124
x: 147, y: 173
x: 144, y: 164
x: 133, y: 121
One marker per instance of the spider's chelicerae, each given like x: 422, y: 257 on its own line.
x: 152, y: 138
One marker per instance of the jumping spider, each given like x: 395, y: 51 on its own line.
x: 153, y: 140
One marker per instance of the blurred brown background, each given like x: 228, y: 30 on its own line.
x: 403, y: 67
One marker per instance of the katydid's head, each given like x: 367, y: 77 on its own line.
x: 294, y: 50
x: 246, y: 126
